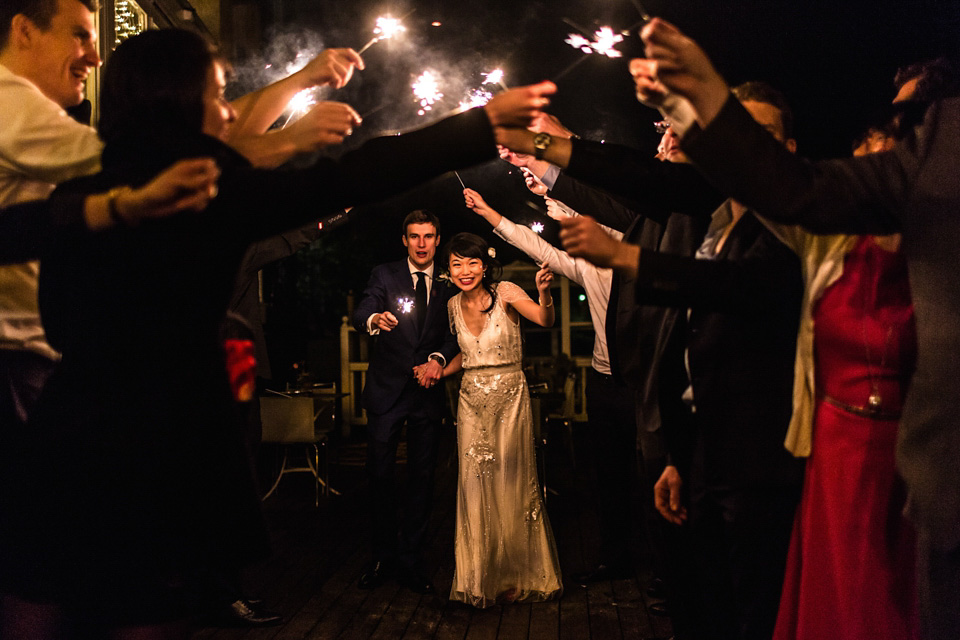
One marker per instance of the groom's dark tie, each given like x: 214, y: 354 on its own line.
x: 421, y: 299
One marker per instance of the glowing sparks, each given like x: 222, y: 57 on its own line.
x: 426, y: 89
x: 300, y: 104
x: 493, y: 77
x: 387, y: 27
x: 405, y: 305
x: 537, y: 227
x: 577, y: 41
x: 475, y: 98
x: 604, y: 42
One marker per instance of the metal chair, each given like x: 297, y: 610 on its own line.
x: 305, y: 420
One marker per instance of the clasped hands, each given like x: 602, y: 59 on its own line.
x: 428, y: 373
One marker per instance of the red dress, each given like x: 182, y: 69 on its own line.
x: 850, y: 568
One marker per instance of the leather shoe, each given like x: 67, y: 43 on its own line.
x: 656, y: 590
x: 602, y: 573
x: 416, y: 582
x: 374, y: 576
x: 659, y: 609
x: 241, y: 613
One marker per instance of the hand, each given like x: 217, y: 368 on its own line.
x: 547, y: 123
x: 683, y: 68
x: 333, y: 67
x: 518, y: 107
x: 650, y: 91
x: 543, y: 279
x: 185, y: 185
x: 666, y: 496
x: 326, y: 124
x: 475, y: 202
x: 386, y: 321
x: 428, y: 373
x: 582, y: 237
x: 533, y: 182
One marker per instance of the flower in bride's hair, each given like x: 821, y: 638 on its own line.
x: 491, y: 252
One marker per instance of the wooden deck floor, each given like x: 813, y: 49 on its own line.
x: 319, y: 554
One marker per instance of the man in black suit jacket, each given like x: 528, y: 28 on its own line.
x: 406, y: 310
x: 740, y: 486
x: 913, y: 189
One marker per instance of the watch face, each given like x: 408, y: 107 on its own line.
x: 541, y: 140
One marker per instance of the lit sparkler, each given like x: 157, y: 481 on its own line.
x: 300, y: 104
x: 387, y: 27
x: 426, y: 89
x: 405, y: 305
x: 604, y: 42
x: 494, y: 77
x: 537, y: 227
x: 476, y: 98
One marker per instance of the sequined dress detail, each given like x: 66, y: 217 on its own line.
x: 504, y: 546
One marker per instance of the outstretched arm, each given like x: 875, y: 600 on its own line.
x: 258, y: 110
x: 541, y: 312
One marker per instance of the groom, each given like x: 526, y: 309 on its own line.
x: 406, y: 310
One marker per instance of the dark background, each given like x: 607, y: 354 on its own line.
x: 835, y: 62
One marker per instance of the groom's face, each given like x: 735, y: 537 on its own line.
x: 421, y: 242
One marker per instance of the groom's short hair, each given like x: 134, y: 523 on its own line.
x: 421, y: 216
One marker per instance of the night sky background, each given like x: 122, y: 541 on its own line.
x: 835, y: 62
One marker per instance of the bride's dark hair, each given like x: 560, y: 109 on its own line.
x: 469, y: 245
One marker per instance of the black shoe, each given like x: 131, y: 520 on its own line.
x: 374, y: 576
x: 602, y: 573
x: 659, y: 609
x: 416, y: 582
x: 240, y: 613
x: 656, y: 590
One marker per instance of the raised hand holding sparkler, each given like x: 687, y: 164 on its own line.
x: 327, y: 123
x: 386, y: 321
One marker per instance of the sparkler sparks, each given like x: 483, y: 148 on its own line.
x: 494, y: 77
x: 426, y: 89
x: 537, y: 227
x: 300, y: 104
x: 475, y: 98
x: 387, y: 27
x: 604, y: 40
x: 405, y: 305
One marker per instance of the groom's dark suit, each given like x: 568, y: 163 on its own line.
x: 392, y: 397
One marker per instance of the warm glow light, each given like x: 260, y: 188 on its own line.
x: 435, y: 23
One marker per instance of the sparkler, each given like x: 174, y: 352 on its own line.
x: 643, y: 12
x: 537, y: 227
x: 405, y: 305
x: 494, y: 77
x: 426, y: 89
x: 387, y: 27
x: 300, y: 104
x: 457, y: 173
x: 475, y: 98
x: 604, y: 41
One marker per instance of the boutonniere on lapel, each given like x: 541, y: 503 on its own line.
x: 442, y: 278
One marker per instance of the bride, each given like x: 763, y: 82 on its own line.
x: 504, y: 546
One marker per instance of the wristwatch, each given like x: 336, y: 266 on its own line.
x: 540, y: 143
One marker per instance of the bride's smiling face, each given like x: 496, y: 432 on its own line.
x: 466, y: 273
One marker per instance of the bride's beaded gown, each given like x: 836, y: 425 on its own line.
x: 504, y: 547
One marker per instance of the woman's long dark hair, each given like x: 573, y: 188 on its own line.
x: 469, y: 245
x: 154, y: 82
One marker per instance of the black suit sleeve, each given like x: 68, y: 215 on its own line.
x: 590, y: 201
x: 374, y: 299
x: 852, y: 195
x: 658, y: 188
x: 759, y: 277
